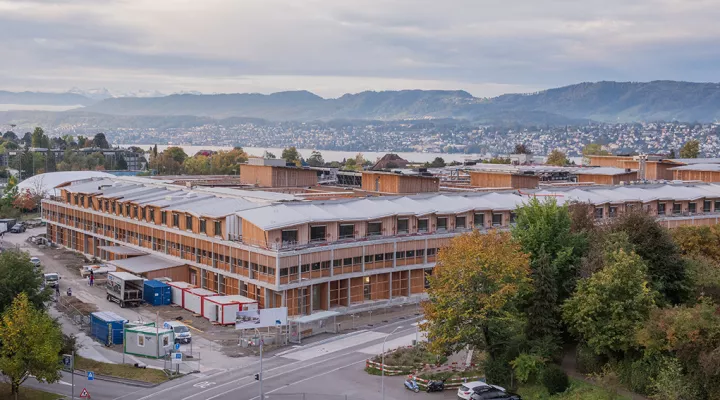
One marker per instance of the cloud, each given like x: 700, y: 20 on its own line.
x: 335, y: 47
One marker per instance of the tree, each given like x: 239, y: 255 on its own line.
x: 520, y: 148
x: 25, y: 201
x: 155, y: 151
x: 176, y: 153
x: 39, y: 139
x: 672, y: 153
x: 27, y: 139
x: 476, y: 283
x: 100, y: 141
x: 10, y: 135
x: 197, y: 165
x: 228, y: 162
x: 609, y: 308
x: 169, y: 162
x: 594, y: 149
x: 120, y: 163
x: 558, y: 158
x: 438, y: 162
x: 350, y: 164
x: 290, y: 155
x: 316, y: 159
x: 543, y: 230
x: 31, y: 344
x: 690, y: 149
x: 360, y: 161
x: 18, y: 274
x: 652, y: 242
x: 269, y: 155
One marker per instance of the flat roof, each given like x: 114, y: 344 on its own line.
x: 202, y: 292
x: 125, y: 275
x: 698, y: 167
x: 149, y: 329
x: 609, y: 171
x: 232, y: 299
x: 147, y: 263
x: 122, y: 250
x: 690, y: 161
x: 315, y: 317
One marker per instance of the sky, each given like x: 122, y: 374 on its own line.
x: 332, y: 47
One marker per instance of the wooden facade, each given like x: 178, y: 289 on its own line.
x: 696, y: 175
x: 604, y: 179
x: 386, y: 182
x: 275, y: 177
x: 654, y: 169
x: 495, y: 179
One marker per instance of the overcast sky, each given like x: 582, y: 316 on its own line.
x: 330, y: 47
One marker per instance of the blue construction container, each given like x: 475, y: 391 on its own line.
x: 107, y: 327
x: 157, y: 293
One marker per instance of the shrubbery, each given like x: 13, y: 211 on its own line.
x: 555, y: 379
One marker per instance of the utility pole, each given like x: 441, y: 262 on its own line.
x: 259, y: 376
x: 382, y: 367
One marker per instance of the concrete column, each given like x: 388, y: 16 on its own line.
x: 332, y: 261
x: 327, y: 305
x: 277, y: 268
x: 363, y: 259
x: 348, y: 291
x: 409, y: 291
x: 394, y: 254
x: 390, y: 285
x: 426, y: 250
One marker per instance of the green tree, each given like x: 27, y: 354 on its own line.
x: 18, y: 274
x: 100, y: 141
x: 609, y: 308
x: 690, y: 149
x: 269, y: 155
x: 27, y: 139
x: 39, y: 139
x: 31, y: 344
x: 543, y: 229
x: 652, y: 242
x: 474, y: 289
x: 120, y: 163
x: 520, y: 148
x: 197, y: 165
x: 557, y: 158
x: 290, y: 155
x: 10, y: 135
x: 672, y: 154
x: 594, y: 149
x: 350, y: 164
x: 228, y: 162
x: 316, y: 159
x: 95, y: 161
x: 176, y: 153
x: 438, y: 162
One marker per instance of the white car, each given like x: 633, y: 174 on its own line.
x: 466, y: 389
x: 35, y: 261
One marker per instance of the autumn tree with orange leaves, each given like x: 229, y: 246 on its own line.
x: 474, y: 291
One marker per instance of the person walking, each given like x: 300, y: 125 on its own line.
x: 57, y: 291
x: 92, y: 277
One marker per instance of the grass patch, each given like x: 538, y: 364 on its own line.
x: 410, y: 357
x: 27, y: 393
x: 578, y: 390
x: 126, y: 371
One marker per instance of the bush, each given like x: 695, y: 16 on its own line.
x: 527, y: 367
x: 498, y: 372
x: 587, y: 361
x: 555, y: 379
x: 637, y: 375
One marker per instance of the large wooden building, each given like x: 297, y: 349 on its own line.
x: 336, y: 255
x: 605, y: 175
x: 397, y: 183
x: 275, y: 174
x: 502, y: 179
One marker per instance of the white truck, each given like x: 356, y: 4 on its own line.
x: 51, y: 280
x: 124, y: 288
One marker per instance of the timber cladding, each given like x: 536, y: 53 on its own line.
x: 607, y: 179
x: 385, y: 182
x: 271, y: 176
x: 492, y: 179
x: 689, y: 175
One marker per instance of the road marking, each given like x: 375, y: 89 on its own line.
x: 332, y: 347
x: 302, y: 380
x: 203, y: 385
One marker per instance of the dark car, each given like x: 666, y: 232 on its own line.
x: 17, y: 228
x: 492, y: 393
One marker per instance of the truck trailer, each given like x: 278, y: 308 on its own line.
x: 124, y: 288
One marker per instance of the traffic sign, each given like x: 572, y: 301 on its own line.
x: 91, y: 376
x: 176, y: 358
x: 84, y: 394
x: 67, y: 362
x: 177, y: 346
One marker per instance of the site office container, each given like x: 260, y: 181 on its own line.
x: 223, y: 309
x: 148, y: 341
x: 193, y: 299
x: 157, y: 293
x: 177, y: 289
x: 107, y: 327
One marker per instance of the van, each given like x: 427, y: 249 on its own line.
x: 51, y: 279
x: 182, y: 333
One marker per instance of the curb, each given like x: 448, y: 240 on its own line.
x: 130, y: 382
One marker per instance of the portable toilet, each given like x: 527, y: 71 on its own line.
x: 193, y: 299
x: 223, y: 309
x: 148, y: 341
x: 107, y: 327
x: 177, y: 289
x: 157, y: 293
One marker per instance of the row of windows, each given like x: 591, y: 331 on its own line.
x: 347, y: 231
x: 350, y: 261
x: 662, y: 208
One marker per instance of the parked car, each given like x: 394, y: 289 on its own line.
x: 490, y: 392
x: 35, y: 261
x: 466, y: 389
x: 182, y: 333
x: 17, y: 228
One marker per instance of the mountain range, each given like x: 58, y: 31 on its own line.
x: 580, y: 103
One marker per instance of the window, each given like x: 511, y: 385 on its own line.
x: 315, y: 266
x: 479, y: 220
x: 374, y: 229
x: 613, y: 212
x: 347, y: 231
x: 497, y: 219
x: 218, y: 228
x: 152, y: 215
x: 317, y: 233
x: 599, y: 212
x: 460, y: 222
x: 410, y: 254
x: 113, y: 207
x: 512, y: 217
x: 127, y: 210
x: 717, y: 205
x: 403, y: 225
x: 176, y: 220
x: 692, y: 207
x: 389, y: 256
x: 423, y: 225
x: 188, y: 222
x: 661, y: 208
x: 442, y: 223
x: 141, y: 340
x: 677, y: 208
x: 347, y: 261
x: 357, y: 260
x: 379, y: 257
x: 707, y: 206
x: 400, y: 255
x: 142, y: 214
x: 431, y: 252
x: 368, y: 259
x: 203, y: 226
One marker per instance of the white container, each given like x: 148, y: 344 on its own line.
x: 223, y: 309
x: 176, y: 290
x: 193, y: 299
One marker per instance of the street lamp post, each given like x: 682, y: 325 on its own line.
x: 261, y: 363
x: 382, y: 367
